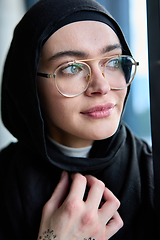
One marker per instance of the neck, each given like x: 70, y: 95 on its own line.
x: 72, y: 152
x: 69, y: 140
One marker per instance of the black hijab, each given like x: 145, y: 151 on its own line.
x: 33, y: 164
x: 21, y: 113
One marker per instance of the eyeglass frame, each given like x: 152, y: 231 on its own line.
x: 45, y: 75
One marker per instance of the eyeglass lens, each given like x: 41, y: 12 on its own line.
x: 73, y: 78
x: 120, y: 71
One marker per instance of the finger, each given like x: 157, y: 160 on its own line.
x: 61, y: 189
x: 58, y: 195
x: 78, y: 187
x: 96, y: 191
x: 114, y: 225
x: 110, y: 206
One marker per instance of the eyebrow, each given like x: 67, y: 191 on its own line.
x: 68, y: 53
x: 81, y: 54
x: 110, y: 48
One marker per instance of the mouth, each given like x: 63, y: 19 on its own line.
x: 99, y: 111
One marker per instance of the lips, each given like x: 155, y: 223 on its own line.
x: 99, y: 111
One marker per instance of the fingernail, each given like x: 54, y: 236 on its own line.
x: 73, y: 175
x: 63, y: 174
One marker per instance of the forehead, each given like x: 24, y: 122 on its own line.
x: 84, y: 36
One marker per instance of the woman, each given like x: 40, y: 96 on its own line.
x: 65, y: 83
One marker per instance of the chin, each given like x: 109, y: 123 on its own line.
x: 103, y: 134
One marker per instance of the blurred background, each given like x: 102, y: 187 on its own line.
x: 131, y: 16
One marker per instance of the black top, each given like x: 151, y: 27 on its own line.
x: 27, y: 182
x: 31, y: 168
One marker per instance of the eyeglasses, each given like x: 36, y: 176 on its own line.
x: 73, y: 78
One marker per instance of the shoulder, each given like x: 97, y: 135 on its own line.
x: 7, y: 159
x: 140, y: 145
x: 7, y: 154
x: 7, y: 151
x: 13, y: 159
x: 143, y: 153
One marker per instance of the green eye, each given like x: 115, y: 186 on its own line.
x: 72, y: 69
x: 114, y: 63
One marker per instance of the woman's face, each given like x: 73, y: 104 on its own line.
x: 95, y: 114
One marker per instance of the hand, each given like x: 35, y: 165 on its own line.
x: 72, y: 218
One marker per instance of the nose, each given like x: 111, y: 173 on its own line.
x: 99, y: 85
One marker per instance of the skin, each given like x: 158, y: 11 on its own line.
x: 75, y: 219
x: 68, y: 214
x: 63, y: 116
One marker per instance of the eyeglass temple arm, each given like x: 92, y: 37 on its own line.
x: 45, y: 75
x: 136, y: 63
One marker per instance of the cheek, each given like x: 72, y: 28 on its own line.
x: 47, y: 95
x: 55, y: 107
x: 122, y: 96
